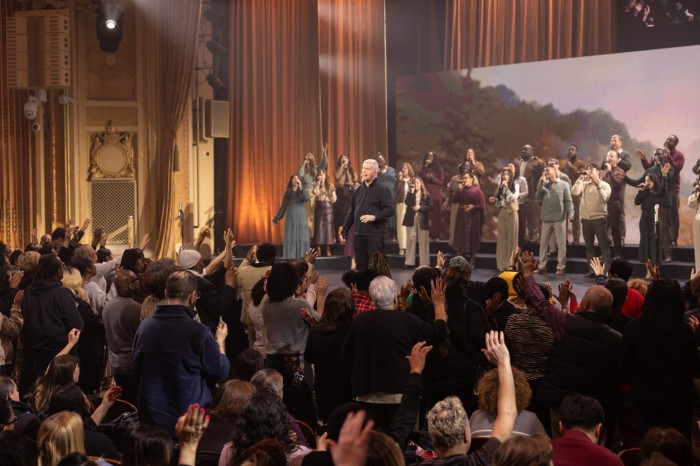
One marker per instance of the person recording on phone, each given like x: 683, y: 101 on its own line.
x: 594, y: 194
x: 554, y: 195
x: 663, y: 171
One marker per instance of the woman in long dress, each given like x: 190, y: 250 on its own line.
x: 296, y: 232
x: 307, y: 174
x: 406, y: 174
x: 345, y: 181
x: 324, y: 193
x: 651, y: 194
x: 434, y: 178
x: 416, y: 220
x: 470, y: 217
x: 506, y: 200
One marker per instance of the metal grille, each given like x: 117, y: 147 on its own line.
x: 112, y: 203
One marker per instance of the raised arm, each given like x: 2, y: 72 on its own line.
x: 497, y: 354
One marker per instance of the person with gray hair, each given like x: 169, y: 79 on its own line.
x: 377, y: 343
x: 371, y: 208
x: 176, y: 357
x: 383, y: 291
x: 448, y: 423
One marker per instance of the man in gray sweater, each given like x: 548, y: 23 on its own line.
x: 554, y: 196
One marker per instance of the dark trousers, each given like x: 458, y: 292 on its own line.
x: 665, y: 224
x: 130, y: 388
x: 675, y: 225
x: 365, y: 247
x: 529, y: 220
x: 615, y: 223
x: 592, y: 230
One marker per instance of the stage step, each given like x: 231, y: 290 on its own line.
x: 683, y: 258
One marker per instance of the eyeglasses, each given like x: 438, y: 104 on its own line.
x: 14, y: 421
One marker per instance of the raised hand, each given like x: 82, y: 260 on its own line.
x: 565, y: 293
x: 417, y: 357
x: 496, y: 350
x: 322, y: 285
x: 598, y: 268
x: 353, y: 441
x: 437, y: 291
x: 528, y: 263
x: 311, y: 256
x: 493, y: 304
x: 653, y: 271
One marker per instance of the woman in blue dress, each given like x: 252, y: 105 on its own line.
x: 296, y: 232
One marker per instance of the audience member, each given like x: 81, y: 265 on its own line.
x: 121, y: 318
x: 448, y: 423
x: 226, y: 407
x: 481, y: 421
x: 667, y: 442
x: 376, y: 347
x: 49, y: 313
x: 175, y: 357
x: 147, y: 445
x: 581, y: 424
x: 60, y: 435
x: 524, y: 451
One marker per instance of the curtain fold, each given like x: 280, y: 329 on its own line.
x: 275, y: 109
x: 353, y: 77
x: 17, y: 208
x: 497, y: 32
x: 175, y: 26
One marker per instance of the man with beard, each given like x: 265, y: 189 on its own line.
x: 530, y: 168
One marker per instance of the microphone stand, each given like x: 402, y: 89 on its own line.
x: 657, y: 233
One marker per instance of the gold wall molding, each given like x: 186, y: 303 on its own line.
x: 111, y: 154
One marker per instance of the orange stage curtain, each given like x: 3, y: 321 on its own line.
x: 497, y: 32
x: 175, y: 28
x: 16, y: 175
x: 353, y: 77
x: 275, y: 109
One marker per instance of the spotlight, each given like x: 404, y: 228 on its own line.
x: 109, y: 29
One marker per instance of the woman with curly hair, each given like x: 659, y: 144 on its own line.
x: 263, y: 417
x: 481, y: 421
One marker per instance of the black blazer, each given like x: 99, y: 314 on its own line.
x: 426, y: 206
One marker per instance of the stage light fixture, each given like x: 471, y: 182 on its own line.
x: 109, y: 24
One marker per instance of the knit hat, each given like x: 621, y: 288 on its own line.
x: 189, y: 258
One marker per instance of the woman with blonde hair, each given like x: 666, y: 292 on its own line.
x: 401, y: 188
x: 60, y: 435
x: 93, y: 341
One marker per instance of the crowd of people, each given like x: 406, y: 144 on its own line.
x: 268, y: 364
x: 551, y: 203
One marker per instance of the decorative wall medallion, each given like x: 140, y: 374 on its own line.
x: 111, y: 154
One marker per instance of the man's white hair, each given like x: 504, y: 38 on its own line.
x: 374, y: 163
x: 383, y: 290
